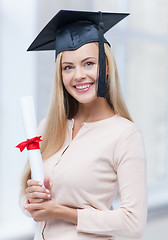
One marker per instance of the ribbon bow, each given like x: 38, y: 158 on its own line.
x: 30, y: 144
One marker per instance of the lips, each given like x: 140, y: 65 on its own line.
x: 83, y: 87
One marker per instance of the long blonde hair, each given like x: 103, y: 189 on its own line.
x: 63, y: 106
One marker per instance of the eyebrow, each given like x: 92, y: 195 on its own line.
x: 85, y: 59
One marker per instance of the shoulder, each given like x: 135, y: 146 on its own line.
x: 122, y: 127
x: 127, y: 134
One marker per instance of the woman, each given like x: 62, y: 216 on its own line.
x: 91, y: 150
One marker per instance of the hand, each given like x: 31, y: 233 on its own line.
x: 42, y: 207
x: 36, y: 193
x: 49, y: 210
x: 44, y: 211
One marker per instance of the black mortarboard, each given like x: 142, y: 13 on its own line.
x: 69, y: 30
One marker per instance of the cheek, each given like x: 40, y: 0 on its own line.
x: 66, y: 80
x: 93, y: 73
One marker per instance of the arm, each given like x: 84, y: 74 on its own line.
x: 129, y: 220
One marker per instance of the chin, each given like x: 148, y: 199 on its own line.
x: 85, y: 97
x: 85, y: 100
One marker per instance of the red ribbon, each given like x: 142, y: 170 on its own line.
x: 30, y: 144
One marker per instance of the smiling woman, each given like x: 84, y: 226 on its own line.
x: 91, y: 148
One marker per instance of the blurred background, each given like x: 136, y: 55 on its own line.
x: 140, y: 46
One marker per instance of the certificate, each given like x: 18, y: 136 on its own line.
x: 32, y: 142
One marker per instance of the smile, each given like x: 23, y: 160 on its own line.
x: 83, y: 87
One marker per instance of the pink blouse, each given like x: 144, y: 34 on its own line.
x: 106, y: 157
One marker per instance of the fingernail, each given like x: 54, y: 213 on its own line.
x: 47, y: 191
x: 49, y: 195
x: 26, y: 206
x: 40, y: 184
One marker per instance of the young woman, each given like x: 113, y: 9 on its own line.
x: 91, y: 150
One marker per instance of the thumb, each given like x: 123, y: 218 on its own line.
x: 47, y: 183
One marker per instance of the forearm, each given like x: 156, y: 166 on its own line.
x: 68, y: 214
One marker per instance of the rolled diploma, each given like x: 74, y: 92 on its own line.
x: 30, y: 127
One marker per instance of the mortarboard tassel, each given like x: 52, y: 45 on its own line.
x: 102, y: 62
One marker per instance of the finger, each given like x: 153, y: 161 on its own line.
x: 37, y: 200
x: 32, y: 182
x: 47, y: 183
x: 38, y: 195
x: 48, y: 186
x: 33, y: 207
x: 36, y: 189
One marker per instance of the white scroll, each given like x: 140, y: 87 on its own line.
x: 30, y: 127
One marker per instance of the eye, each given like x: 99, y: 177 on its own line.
x: 89, y: 63
x: 68, y: 67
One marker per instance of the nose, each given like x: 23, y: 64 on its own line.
x: 79, y: 73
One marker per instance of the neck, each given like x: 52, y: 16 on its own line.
x: 97, y: 110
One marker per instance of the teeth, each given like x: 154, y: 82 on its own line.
x: 83, y: 86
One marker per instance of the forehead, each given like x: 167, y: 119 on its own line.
x: 87, y: 50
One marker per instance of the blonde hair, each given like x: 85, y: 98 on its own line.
x: 63, y: 106
x: 114, y: 93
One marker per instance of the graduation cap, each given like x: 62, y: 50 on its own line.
x: 69, y: 30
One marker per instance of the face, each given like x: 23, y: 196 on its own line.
x: 80, y: 72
